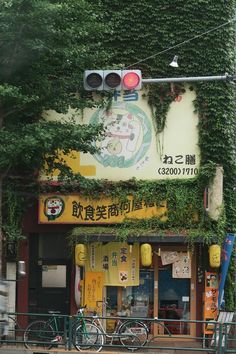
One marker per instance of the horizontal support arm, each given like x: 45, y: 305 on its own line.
x: 189, y: 79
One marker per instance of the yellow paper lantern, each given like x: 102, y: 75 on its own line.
x: 214, y: 256
x: 80, y: 254
x: 146, y: 254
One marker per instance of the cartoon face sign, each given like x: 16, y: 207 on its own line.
x: 53, y: 207
x: 127, y: 135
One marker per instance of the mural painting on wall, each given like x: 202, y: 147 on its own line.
x: 127, y: 137
x: 131, y: 142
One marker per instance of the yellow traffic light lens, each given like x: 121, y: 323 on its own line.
x: 131, y: 80
x: 113, y: 80
x: 94, y: 80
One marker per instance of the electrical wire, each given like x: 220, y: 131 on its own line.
x: 181, y: 43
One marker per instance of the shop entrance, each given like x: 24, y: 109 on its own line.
x: 173, y: 300
x: 161, y: 294
x: 49, y: 274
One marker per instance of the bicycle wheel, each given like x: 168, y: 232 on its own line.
x: 131, y: 329
x: 88, y: 336
x: 130, y: 340
x: 39, y: 334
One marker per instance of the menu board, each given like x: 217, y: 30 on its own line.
x: 169, y: 257
x: 182, y: 267
x: 93, y: 289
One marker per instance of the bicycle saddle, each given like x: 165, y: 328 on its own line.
x: 54, y: 312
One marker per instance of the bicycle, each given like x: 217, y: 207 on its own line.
x: 43, y: 334
x: 132, y: 334
x: 87, y: 335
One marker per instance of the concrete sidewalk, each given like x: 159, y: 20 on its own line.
x: 6, y: 350
x: 22, y: 350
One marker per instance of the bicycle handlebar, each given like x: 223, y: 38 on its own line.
x: 81, y: 309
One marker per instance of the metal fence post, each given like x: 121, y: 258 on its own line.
x: 220, y: 348
x: 70, y: 334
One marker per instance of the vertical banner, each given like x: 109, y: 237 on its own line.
x: 121, y: 264
x: 210, y: 300
x: 93, y: 289
x: 118, y: 262
x: 225, y: 259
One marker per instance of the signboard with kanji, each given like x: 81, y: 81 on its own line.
x: 210, y: 300
x: 93, y: 289
x: 118, y: 262
x: 75, y: 209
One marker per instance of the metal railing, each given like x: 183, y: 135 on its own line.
x: 62, y: 331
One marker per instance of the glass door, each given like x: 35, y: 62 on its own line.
x: 137, y: 301
x: 173, y: 300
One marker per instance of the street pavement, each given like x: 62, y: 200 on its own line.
x: 21, y: 350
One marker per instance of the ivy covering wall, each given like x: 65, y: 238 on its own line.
x: 146, y: 34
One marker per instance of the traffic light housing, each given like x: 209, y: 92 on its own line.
x: 106, y: 80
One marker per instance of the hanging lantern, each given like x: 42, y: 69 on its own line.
x: 80, y: 254
x: 214, y: 256
x: 146, y: 254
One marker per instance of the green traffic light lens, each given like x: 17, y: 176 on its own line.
x: 113, y: 80
x: 94, y: 80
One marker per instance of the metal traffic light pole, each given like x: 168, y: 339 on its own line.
x: 190, y: 79
x: 105, y: 80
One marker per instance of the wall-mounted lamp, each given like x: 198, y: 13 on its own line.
x: 174, y: 62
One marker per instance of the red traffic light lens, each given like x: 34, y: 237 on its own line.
x: 94, y: 80
x: 113, y: 80
x: 131, y: 80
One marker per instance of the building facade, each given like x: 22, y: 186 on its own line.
x: 75, y: 254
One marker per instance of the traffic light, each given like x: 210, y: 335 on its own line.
x: 106, y: 80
